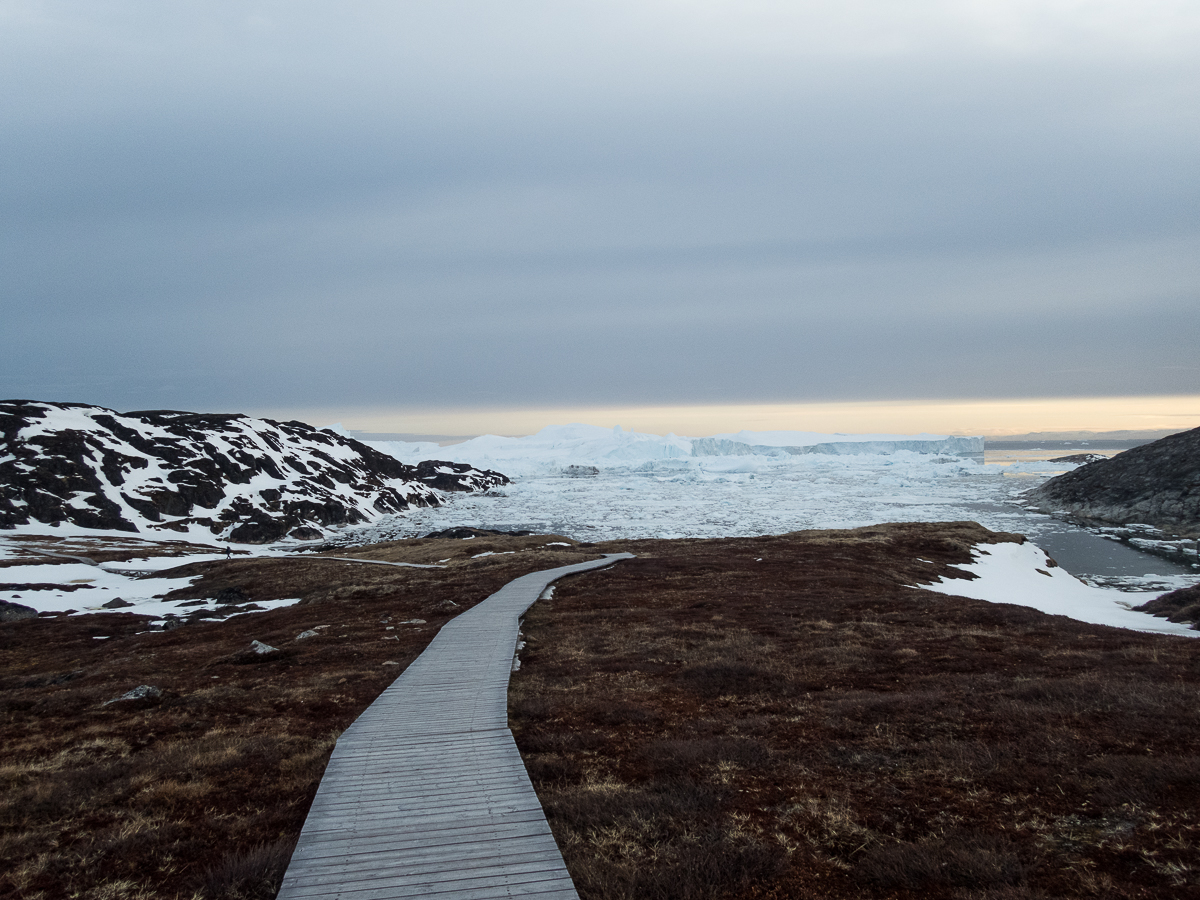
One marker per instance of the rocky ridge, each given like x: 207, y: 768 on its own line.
x: 1155, y: 484
x: 238, y: 478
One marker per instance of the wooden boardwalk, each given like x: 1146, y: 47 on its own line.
x: 425, y: 794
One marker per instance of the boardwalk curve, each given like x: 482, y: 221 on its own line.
x: 426, y: 795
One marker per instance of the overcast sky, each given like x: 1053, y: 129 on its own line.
x: 249, y: 205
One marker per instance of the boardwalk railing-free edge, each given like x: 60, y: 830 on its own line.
x: 425, y: 794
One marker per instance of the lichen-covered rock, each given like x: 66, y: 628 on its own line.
x: 13, y: 612
x: 1156, y: 484
x: 141, y: 692
x: 241, y: 479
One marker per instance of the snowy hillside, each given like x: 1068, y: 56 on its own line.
x: 561, y: 446
x: 178, y: 473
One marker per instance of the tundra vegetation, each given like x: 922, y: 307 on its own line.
x: 201, y: 792
x: 788, y: 717
x: 753, y: 718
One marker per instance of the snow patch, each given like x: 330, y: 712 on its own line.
x: 1022, y: 574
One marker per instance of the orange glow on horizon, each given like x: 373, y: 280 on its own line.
x: 990, y: 418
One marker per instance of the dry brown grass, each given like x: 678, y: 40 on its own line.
x: 201, y: 794
x: 702, y: 724
x: 699, y: 724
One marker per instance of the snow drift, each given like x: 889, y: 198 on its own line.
x: 1023, y: 574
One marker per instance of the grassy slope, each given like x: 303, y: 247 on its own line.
x: 699, y: 724
x: 202, y: 793
x: 782, y: 717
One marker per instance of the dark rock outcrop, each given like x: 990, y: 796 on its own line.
x: 1080, y: 458
x: 1155, y: 484
x: 146, y: 693
x: 238, y: 478
x: 1182, y: 605
x: 464, y: 531
x: 13, y: 612
x: 231, y: 595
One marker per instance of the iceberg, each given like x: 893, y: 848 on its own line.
x: 557, y: 447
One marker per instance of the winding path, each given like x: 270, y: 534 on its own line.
x: 425, y: 794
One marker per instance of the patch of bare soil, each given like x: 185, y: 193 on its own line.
x: 785, y: 717
x: 201, y: 791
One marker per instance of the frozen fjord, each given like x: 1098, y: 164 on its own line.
x: 747, y: 483
x: 646, y: 486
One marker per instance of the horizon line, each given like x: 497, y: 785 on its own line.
x: 990, y: 417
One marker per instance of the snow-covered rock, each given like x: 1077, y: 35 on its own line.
x: 227, y: 476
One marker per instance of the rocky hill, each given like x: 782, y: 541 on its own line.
x: 1155, y: 484
x: 227, y: 476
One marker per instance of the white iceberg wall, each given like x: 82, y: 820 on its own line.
x: 558, y: 446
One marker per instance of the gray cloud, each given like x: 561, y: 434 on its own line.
x: 223, y: 205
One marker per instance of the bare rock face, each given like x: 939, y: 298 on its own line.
x: 13, y: 612
x: 1155, y: 484
x: 242, y: 479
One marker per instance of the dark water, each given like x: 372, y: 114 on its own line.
x: 1084, y: 553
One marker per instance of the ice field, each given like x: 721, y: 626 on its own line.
x: 595, y: 484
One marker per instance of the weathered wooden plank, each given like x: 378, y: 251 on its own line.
x: 327, y: 844
x: 425, y: 794
x: 479, y: 871
x: 497, y: 886
x: 500, y: 889
x: 413, y: 794
x: 430, y: 803
x: 438, y: 856
x: 365, y: 843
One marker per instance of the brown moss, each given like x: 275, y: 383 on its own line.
x: 797, y: 701
x: 202, y: 792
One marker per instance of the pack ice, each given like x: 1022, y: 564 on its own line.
x: 559, y: 446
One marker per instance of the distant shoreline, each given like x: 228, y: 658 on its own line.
x: 1082, y: 444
